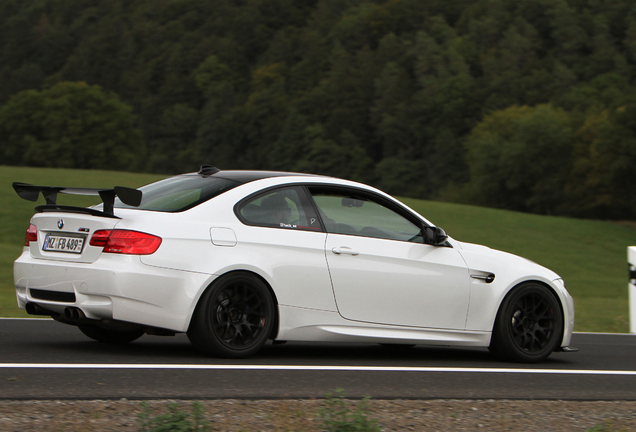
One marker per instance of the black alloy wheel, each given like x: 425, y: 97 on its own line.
x: 111, y: 336
x: 234, y: 317
x: 529, y: 325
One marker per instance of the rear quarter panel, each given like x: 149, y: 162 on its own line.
x: 292, y: 262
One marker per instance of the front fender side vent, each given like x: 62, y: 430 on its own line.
x: 488, y: 278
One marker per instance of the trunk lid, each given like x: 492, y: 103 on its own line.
x: 64, y: 236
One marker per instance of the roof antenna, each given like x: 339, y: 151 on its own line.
x: 208, y: 170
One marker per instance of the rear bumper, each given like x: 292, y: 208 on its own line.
x: 117, y: 287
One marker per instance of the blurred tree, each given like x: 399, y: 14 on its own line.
x: 175, y: 141
x: 70, y: 125
x: 291, y: 145
x: 216, y: 138
x: 402, y: 176
x: 445, y: 106
x: 519, y: 158
x: 602, y: 183
x: 393, y: 90
x: 325, y: 156
x: 397, y: 84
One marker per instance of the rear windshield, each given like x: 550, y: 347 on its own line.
x: 180, y: 193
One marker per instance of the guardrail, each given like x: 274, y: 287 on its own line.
x: 631, y: 262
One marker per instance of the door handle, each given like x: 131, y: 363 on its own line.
x: 344, y: 250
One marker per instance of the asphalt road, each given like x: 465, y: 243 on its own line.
x: 43, y: 359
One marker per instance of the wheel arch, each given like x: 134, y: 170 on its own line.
x: 276, y: 325
x: 518, y: 285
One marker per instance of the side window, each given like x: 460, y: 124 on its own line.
x: 280, y: 208
x: 353, y: 213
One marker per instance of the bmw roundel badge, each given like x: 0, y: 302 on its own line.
x: 60, y: 223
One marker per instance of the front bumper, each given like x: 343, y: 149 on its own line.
x: 567, y: 303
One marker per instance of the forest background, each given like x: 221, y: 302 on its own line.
x: 527, y: 105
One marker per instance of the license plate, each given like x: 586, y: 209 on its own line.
x: 54, y: 243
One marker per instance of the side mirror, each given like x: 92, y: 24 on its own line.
x: 435, y: 236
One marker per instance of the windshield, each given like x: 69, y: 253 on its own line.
x: 180, y: 193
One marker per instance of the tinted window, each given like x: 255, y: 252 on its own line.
x: 280, y: 208
x: 361, y: 214
x: 180, y: 193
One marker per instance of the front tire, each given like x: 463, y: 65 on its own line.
x: 529, y: 325
x: 234, y: 317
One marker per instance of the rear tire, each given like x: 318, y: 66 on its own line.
x: 234, y: 317
x: 529, y: 325
x: 110, y: 336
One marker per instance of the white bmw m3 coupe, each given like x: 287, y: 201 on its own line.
x: 237, y: 258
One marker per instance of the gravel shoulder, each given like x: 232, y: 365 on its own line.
x: 302, y: 415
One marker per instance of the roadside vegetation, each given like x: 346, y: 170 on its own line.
x: 175, y: 420
x: 336, y: 414
x: 590, y: 255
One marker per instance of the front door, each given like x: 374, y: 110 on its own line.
x: 381, y: 269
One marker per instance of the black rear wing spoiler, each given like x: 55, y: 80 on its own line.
x: 128, y: 196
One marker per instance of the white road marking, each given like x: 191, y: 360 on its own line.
x: 312, y: 368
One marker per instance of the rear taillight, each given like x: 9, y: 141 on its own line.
x: 100, y: 238
x: 31, y: 235
x: 126, y: 242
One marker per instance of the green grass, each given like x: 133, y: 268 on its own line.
x: 590, y: 255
